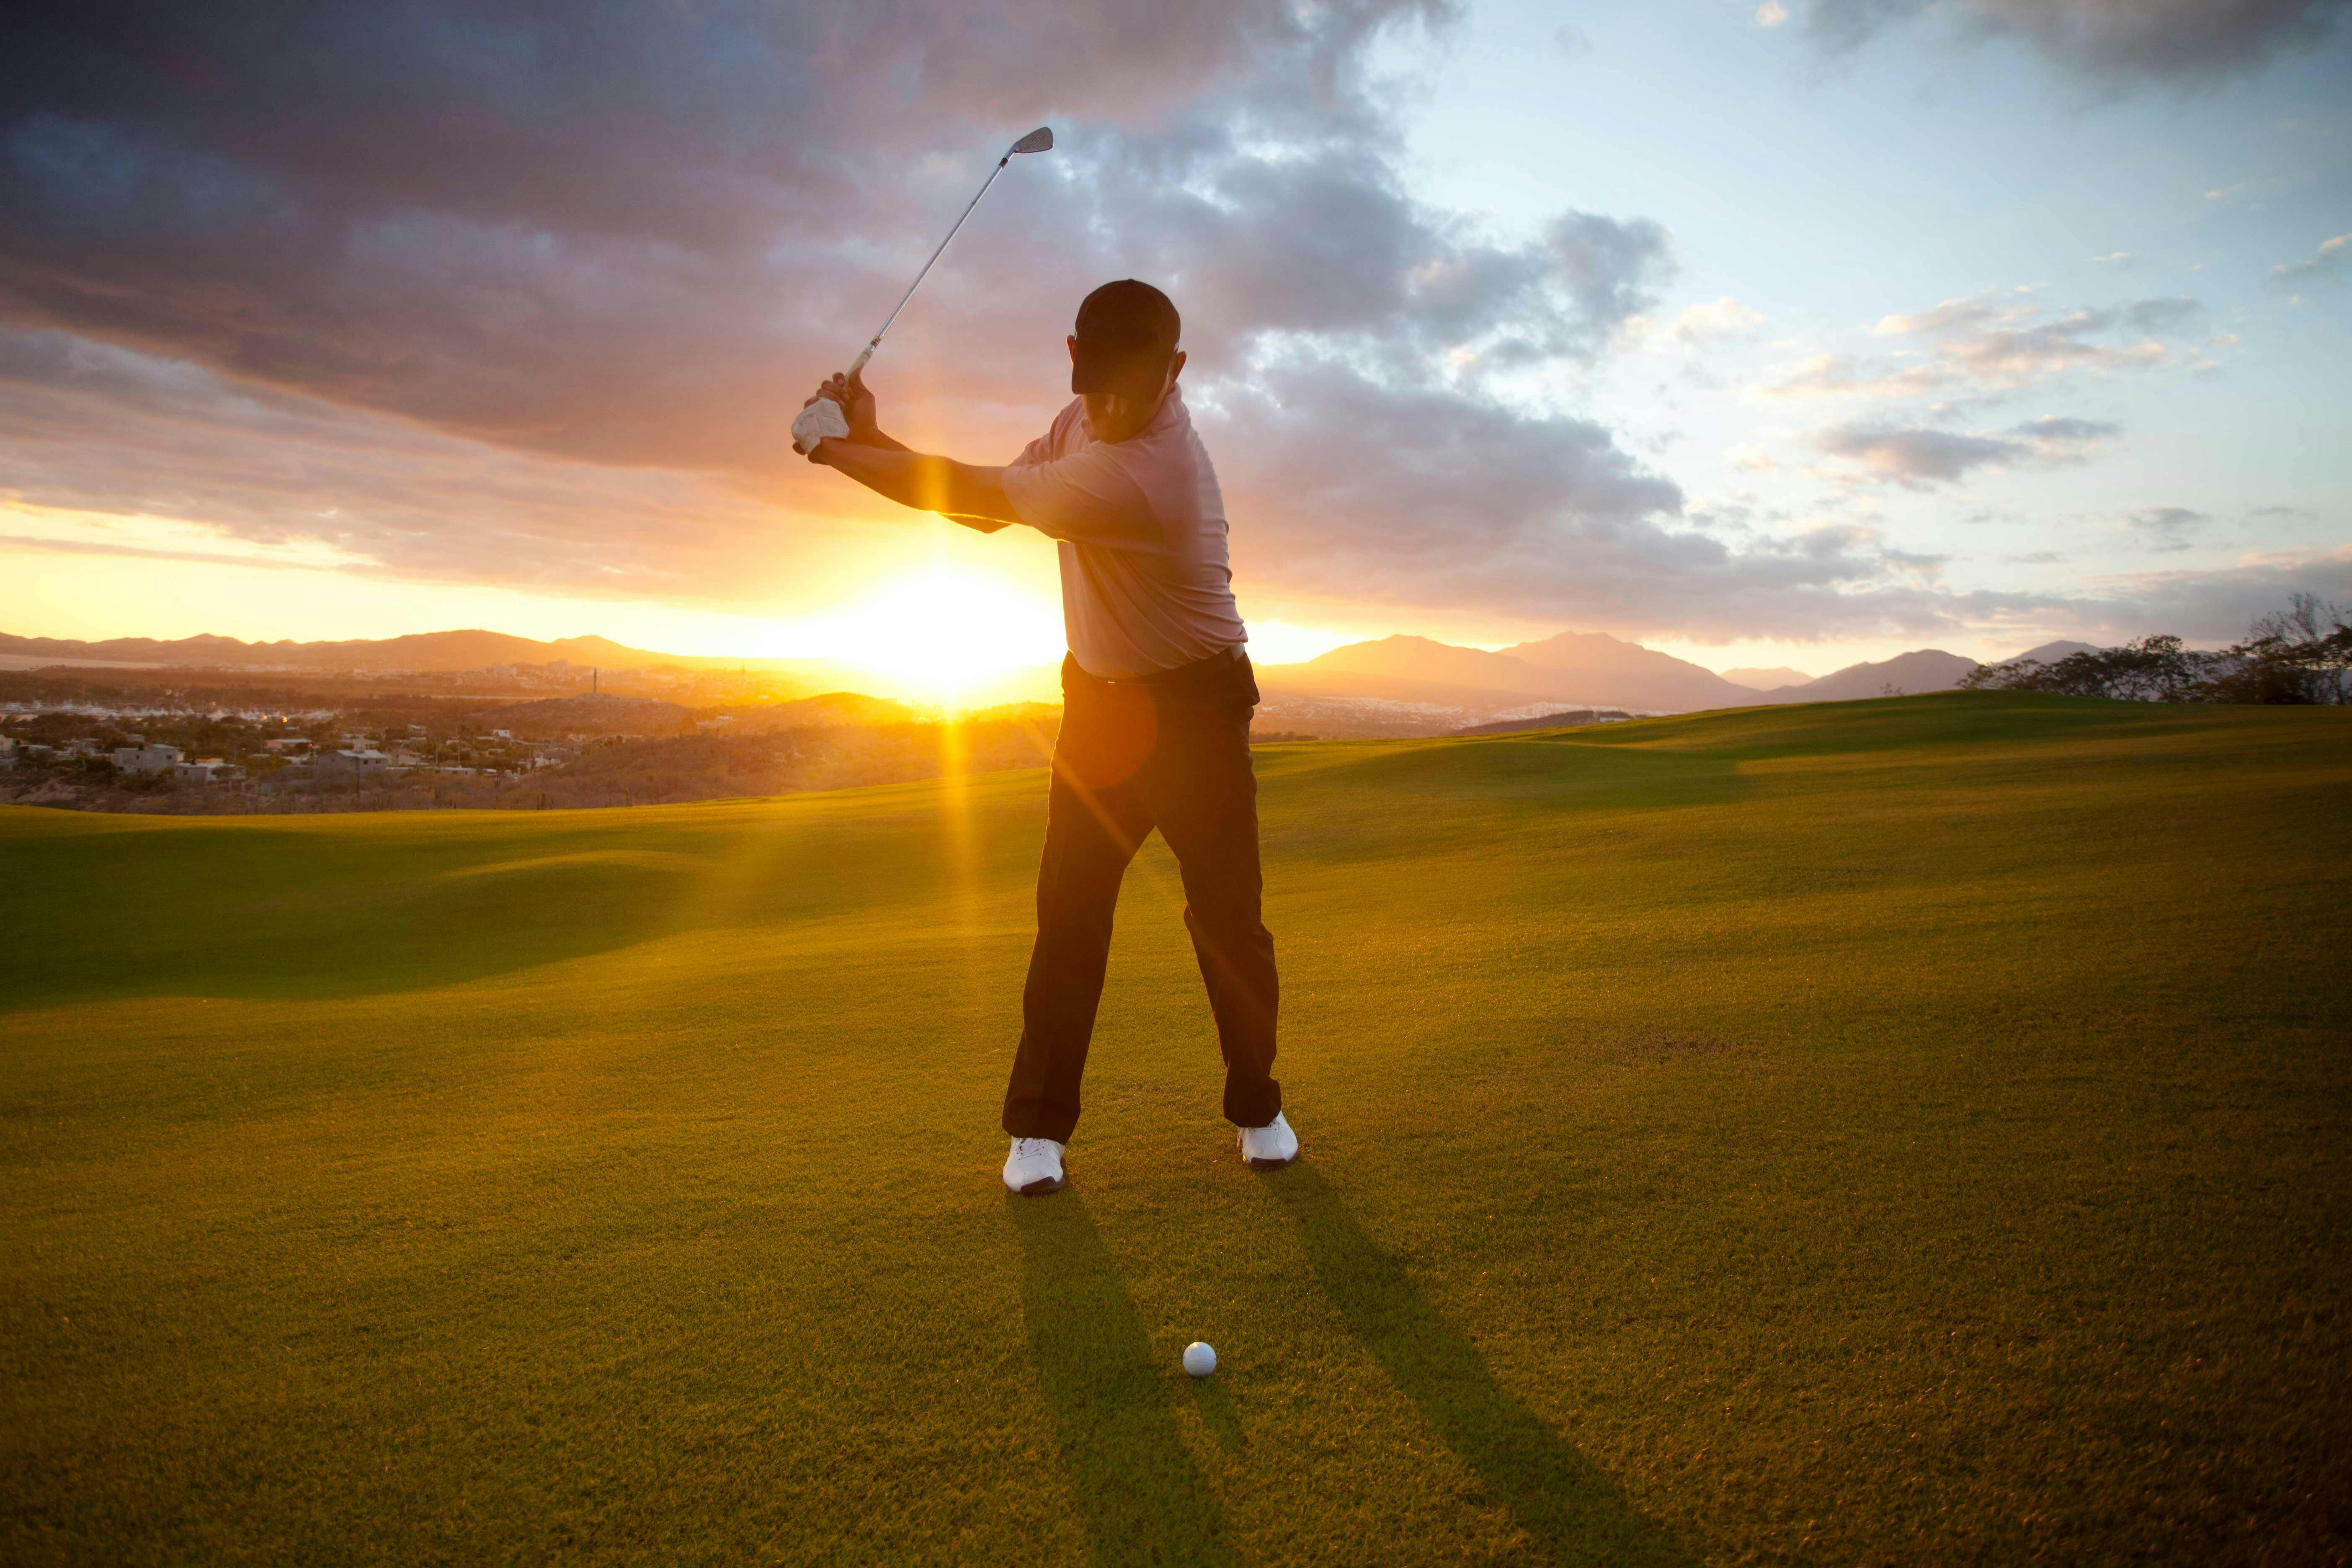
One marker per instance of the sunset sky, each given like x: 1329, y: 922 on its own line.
x: 1792, y: 334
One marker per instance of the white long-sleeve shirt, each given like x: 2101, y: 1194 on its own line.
x: 1146, y: 583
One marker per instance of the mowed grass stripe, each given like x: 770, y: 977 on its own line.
x: 1900, y: 1130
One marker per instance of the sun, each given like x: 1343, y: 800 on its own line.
x: 943, y: 635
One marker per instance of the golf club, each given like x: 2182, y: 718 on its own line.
x: 1038, y: 141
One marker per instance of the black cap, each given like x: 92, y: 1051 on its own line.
x: 1127, y: 334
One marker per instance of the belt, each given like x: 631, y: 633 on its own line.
x: 1174, y: 673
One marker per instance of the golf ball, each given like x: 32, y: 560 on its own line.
x: 1199, y: 1359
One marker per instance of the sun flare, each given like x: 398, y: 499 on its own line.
x: 945, y: 636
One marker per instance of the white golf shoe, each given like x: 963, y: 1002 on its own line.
x: 1264, y: 1148
x: 1033, y: 1168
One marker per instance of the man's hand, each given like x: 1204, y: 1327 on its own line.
x: 856, y: 406
x: 819, y: 421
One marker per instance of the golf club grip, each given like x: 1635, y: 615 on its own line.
x: 859, y: 363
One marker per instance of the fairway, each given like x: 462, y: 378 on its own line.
x: 1914, y: 1131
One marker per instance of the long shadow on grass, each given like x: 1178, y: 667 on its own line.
x: 1575, y: 1513
x: 1143, y: 1499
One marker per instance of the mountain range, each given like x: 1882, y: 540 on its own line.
x: 1586, y: 667
x: 1416, y: 677
x: 1598, y: 671
x: 435, y: 651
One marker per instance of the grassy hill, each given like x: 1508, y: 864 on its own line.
x: 1912, y: 1130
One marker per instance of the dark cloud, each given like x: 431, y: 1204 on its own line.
x: 91, y: 427
x: 440, y: 234
x: 2155, y: 315
x: 2165, y: 528
x: 466, y: 293
x: 2108, y: 41
x: 2053, y: 432
x: 2216, y: 606
x: 1919, y: 456
x: 610, y: 239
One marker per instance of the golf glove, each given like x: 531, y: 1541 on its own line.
x: 818, y: 420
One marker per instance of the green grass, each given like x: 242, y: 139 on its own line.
x: 1902, y: 1131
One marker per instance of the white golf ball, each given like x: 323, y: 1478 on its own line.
x: 1199, y: 1359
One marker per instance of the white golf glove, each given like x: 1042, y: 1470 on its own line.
x: 818, y: 420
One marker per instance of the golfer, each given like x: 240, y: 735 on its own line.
x: 1157, y: 694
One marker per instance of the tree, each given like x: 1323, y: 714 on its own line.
x: 2153, y: 669
x: 2298, y: 655
x: 2302, y: 653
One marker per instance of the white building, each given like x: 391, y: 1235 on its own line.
x: 352, y: 762
x: 146, y: 759
x: 206, y: 769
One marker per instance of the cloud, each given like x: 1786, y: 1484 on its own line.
x: 2054, y: 431
x: 1359, y: 489
x: 94, y: 428
x: 1951, y: 315
x: 2155, y: 315
x: 1772, y: 13
x: 2165, y: 528
x: 1572, y: 40
x: 1918, y: 457
x: 2108, y: 42
x: 2008, y: 345
x: 1915, y: 456
x: 473, y: 294
x: 609, y: 243
x: 2218, y: 606
x: 1724, y: 318
x: 1985, y: 345
x: 2114, y: 261
x: 1842, y: 375
x: 2328, y: 263
x: 1607, y: 267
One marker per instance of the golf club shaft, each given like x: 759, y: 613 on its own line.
x: 867, y: 352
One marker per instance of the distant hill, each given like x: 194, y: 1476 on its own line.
x: 1767, y: 680
x: 1565, y: 720
x: 1907, y: 674
x: 1587, y: 667
x: 1593, y: 666
x: 2051, y: 652
x: 422, y: 652
x: 589, y: 713
x: 1428, y: 662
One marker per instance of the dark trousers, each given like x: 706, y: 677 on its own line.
x: 1170, y: 752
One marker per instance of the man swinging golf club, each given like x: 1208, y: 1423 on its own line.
x: 1157, y: 695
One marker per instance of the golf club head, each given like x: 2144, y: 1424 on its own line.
x: 1038, y: 141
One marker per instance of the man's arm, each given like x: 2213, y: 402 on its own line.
x: 963, y: 492
x: 958, y: 492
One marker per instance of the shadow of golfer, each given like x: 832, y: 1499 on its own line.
x: 1143, y: 1499
x: 1573, y: 1512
